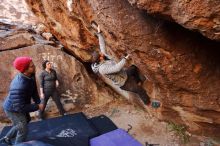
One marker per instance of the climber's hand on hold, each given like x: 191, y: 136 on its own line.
x: 128, y: 56
x: 99, y: 30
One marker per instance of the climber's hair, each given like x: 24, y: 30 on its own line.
x: 97, y: 57
x: 103, y: 57
x: 94, y: 24
x: 44, y: 64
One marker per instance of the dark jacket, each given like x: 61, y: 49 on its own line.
x: 22, y: 89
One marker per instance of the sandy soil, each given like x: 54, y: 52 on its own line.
x: 145, y: 128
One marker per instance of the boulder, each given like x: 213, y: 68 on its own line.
x: 76, y: 89
x: 199, y: 15
x: 16, y: 12
x: 182, y: 67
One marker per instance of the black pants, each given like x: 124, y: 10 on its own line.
x: 131, y: 84
x: 55, y: 96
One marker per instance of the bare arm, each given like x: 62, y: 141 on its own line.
x: 41, y: 85
x: 41, y: 91
x: 101, y: 43
x: 57, y: 82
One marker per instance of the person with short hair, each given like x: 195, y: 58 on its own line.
x: 17, y: 104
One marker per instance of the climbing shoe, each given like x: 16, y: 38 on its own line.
x: 155, y: 104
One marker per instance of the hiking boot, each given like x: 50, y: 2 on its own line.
x: 5, y: 140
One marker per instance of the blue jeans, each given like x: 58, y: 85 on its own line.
x: 19, y: 129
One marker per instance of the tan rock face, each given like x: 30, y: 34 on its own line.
x: 182, y: 67
x: 75, y: 35
x: 199, y: 15
x: 16, y: 11
x: 76, y: 88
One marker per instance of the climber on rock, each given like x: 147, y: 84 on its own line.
x: 17, y: 104
x: 128, y: 79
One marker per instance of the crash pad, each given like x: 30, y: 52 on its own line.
x: 118, y: 137
x: 75, y: 127
x: 103, y: 124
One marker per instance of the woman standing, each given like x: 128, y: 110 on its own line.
x: 48, y: 87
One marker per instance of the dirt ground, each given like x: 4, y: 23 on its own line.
x: 145, y: 128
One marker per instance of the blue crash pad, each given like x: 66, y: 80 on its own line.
x: 70, y: 130
x: 102, y: 124
x: 118, y: 137
x: 75, y: 128
x: 33, y: 143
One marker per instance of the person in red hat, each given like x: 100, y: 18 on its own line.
x: 17, y: 104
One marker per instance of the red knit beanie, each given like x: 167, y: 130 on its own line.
x: 22, y: 63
